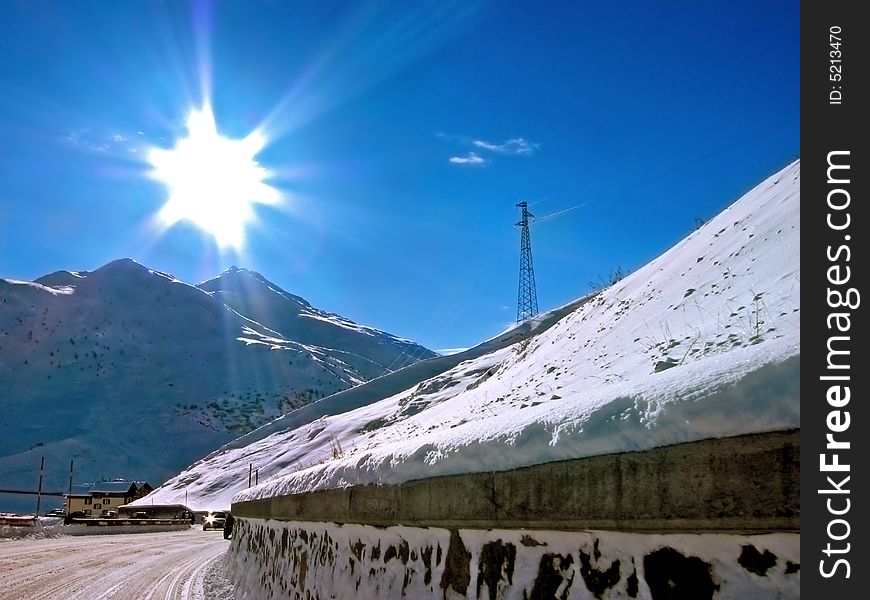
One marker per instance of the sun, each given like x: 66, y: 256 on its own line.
x: 213, y: 181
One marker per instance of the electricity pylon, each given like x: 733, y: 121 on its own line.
x: 527, y: 297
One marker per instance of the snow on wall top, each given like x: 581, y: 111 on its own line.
x: 702, y: 342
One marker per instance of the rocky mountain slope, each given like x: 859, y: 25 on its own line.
x: 130, y: 372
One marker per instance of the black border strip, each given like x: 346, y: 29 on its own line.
x: 834, y: 108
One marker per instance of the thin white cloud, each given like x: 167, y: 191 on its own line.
x: 85, y: 138
x: 470, y: 159
x: 517, y: 146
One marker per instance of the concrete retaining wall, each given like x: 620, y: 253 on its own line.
x: 281, y: 560
x: 702, y: 520
x: 742, y: 484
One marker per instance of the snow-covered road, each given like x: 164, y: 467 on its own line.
x: 148, y: 566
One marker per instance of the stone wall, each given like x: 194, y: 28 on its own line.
x: 709, y: 519
x: 296, y: 560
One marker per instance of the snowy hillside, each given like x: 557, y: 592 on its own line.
x: 130, y: 372
x: 702, y: 342
x: 227, y: 467
x: 369, y: 350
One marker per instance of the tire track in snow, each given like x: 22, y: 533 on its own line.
x: 153, y: 566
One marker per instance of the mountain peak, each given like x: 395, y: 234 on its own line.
x: 192, y: 368
x: 123, y: 263
x: 235, y: 276
x: 241, y: 271
x: 121, y: 269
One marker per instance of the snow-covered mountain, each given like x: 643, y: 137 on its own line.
x: 702, y: 342
x: 131, y: 372
x: 368, y: 350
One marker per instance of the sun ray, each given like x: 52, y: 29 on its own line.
x: 213, y: 181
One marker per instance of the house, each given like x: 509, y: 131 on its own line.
x: 104, y: 497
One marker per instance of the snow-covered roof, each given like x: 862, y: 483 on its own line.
x: 109, y: 487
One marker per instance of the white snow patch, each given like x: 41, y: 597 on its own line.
x: 60, y: 290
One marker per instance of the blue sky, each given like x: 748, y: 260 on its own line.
x: 401, y: 135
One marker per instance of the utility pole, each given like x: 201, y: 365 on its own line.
x: 527, y: 296
x: 39, y: 490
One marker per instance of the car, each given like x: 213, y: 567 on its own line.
x: 215, y: 519
x: 76, y: 514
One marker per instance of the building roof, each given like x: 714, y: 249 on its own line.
x: 114, y: 487
x: 109, y: 487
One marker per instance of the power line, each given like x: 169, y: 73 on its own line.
x: 556, y: 214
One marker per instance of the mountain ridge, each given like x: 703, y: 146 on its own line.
x: 131, y: 372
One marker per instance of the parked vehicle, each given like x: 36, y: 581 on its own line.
x: 215, y: 519
x: 76, y: 514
